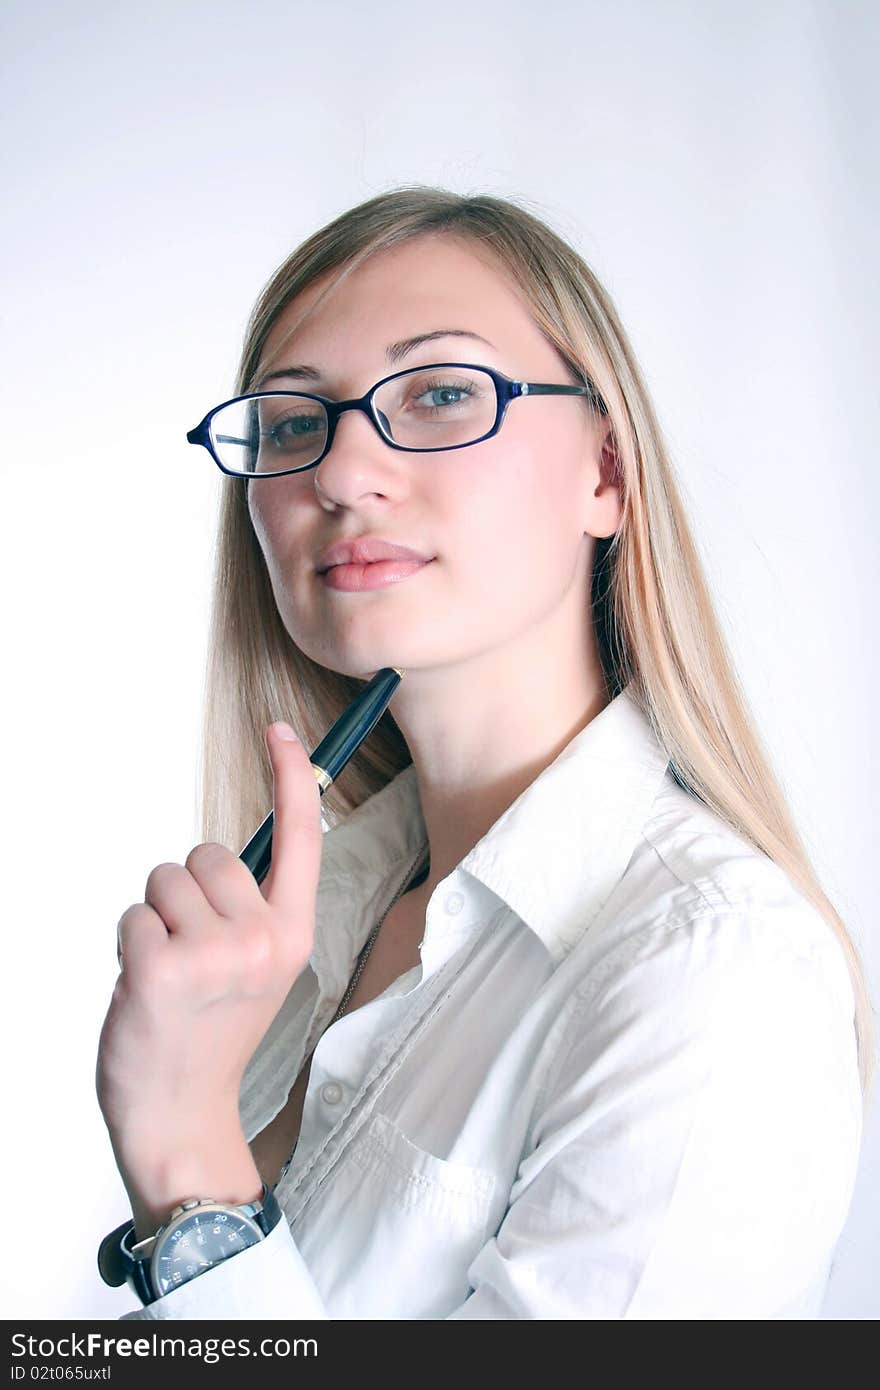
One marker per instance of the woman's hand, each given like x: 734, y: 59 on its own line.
x: 206, y: 961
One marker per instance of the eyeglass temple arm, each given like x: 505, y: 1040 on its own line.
x: 201, y: 436
x: 530, y: 388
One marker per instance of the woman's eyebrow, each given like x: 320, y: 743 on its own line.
x: 395, y: 352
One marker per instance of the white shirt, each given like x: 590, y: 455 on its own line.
x: 622, y: 1083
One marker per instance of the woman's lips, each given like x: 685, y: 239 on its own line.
x: 372, y: 576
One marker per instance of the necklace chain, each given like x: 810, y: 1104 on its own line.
x: 408, y: 882
x: 371, y: 939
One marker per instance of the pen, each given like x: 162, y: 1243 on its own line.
x: 337, y: 746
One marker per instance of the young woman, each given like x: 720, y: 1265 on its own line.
x: 551, y: 1017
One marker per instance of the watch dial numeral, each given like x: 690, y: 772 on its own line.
x: 195, y: 1248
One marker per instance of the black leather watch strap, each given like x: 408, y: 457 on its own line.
x: 113, y: 1266
x: 268, y: 1218
x: 136, y: 1272
x: 117, y: 1266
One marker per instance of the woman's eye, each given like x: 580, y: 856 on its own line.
x: 437, y: 396
x: 300, y: 425
x: 294, y: 428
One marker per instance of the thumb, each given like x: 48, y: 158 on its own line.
x: 292, y: 881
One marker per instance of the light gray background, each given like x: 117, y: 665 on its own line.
x: 715, y: 163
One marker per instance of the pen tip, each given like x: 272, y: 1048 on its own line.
x: 399, y: 672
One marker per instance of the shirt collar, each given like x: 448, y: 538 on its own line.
x: 557, y: 852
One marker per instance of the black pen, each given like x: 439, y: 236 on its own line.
x: 329, y: 758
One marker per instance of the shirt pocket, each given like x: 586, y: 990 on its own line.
x: 396, y: 1228
x: 418, y: 1181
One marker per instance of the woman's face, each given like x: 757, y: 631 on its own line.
x: 507, y: 523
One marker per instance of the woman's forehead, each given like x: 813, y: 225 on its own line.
x: 414, y: 288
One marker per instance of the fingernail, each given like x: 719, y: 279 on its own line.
x: 284, y: 731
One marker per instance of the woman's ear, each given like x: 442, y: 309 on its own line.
x: 606, y: 504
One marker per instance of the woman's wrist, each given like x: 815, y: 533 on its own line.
x: 222, y: 1168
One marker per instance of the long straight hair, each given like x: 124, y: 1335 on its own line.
x: 654, y: 619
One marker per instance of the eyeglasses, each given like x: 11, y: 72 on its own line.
x: 449, y: 405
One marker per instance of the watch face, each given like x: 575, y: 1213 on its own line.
x: 204, y: 1237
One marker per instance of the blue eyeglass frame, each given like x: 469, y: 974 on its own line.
x: 506, y: 390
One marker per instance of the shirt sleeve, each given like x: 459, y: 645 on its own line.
x: 268, y: 1280
x: 693, y: 1152
x: 698, y: 1143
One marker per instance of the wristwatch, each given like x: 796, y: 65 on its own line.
x: 199, y: 1234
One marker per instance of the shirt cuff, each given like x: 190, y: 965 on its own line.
x: 267, y: 1280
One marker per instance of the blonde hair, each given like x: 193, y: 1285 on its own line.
x: 653, y: 615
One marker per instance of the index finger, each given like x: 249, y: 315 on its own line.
x: 292, y: 880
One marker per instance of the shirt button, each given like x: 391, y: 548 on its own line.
x: 453, y: 903
x: 331, y: 1092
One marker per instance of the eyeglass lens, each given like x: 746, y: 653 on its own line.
x: 427, y: 408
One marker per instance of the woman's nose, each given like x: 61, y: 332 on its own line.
x: 359, y: 460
